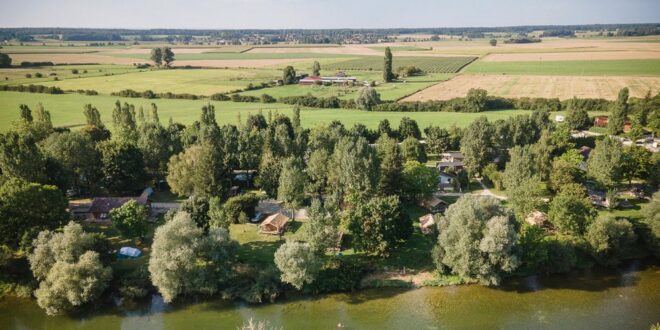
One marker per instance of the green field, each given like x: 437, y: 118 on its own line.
x: 17, y: 76
x: 193, y: 81
x: 400, y: 48
x: 66, y: 110
x: 427, y: 64
x: 609, y: 67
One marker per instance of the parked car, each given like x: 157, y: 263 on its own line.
x: 257, y: 217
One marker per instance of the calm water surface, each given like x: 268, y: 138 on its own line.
x: 628, y: 298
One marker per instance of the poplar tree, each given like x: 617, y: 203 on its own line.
x: 388, y: 76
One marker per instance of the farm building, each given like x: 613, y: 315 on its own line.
x: 100, y: 207
x: 275, y: 224
x: 450, y: 159
x: 337, y: 80
x: 536, y: 218
x: 434, y: 204
x: 426, y: 223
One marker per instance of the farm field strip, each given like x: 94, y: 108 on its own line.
x: 563, y: 87
x: 573, y: 56
x: 234, y: 56
x: 648, y: 67
x: 67, y: 110
x: 427, y: 64
x: 198, y: 81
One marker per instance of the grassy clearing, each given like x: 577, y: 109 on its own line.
x: 427, y: 64
x: 613, y: 67
x: 197, y: 81
x: 66, y: 110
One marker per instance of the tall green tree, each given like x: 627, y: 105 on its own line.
x: 168, y: 56
x: 577, y: 116
x: 605, y: 160
x: 289, y: 75
x: 354, y: 168
x: 316, y: 68
x: 476, y: 145
x: 5, y: 61
x: 408, y: 128
x: 367, y: 98
x: 297, y: 263
x: 419, y: 181
x: 130, y: 219
x: 323, y: 222
x: 77, y: 156
x: 21, y: 158
x: 26, y: 207
x: 412, y: 150
x: 185, y: 261
x: 122, y: 167
x: 157, y: 56
x: 571, y: 212
x: 69, y: 271
x: 391, y: 166
x: 388, y: 74
x: 618, y: 113
x: 636, y: 163
x: 199, y: 171
x: 379, y: 224
x: 123, y: 118
x: 437, y: 139
x: 610, y: 240
x: 477, y: 240
x: 475, y: 100
x: 291, y: 188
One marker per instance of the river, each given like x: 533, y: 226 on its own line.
x: 628, y: 298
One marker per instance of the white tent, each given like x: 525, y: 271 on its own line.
x: 129, y: 252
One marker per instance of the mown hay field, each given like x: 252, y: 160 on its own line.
x: 575, y: 68
x: 563, y: 87
x: 427, y: 64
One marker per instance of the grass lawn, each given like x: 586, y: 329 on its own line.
x: 66, y: 110
x: 608, y: 67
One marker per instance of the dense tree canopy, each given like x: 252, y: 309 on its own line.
x: 69, y: 271
x: 123, y: 167
x: 131, y: 219
x: 297, y: 263
x: 477, y: 240
x: 25, y: 207
x: 378, y: 224
x: 610, y: 239
x: 185, y: 261
x: 604, y: 164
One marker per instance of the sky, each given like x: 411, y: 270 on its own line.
x: 309, y: 14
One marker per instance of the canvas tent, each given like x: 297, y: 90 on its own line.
x: 275, y: 224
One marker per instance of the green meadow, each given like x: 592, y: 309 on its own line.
x: 193, y: 81
x: 427, y: 64
x: 607, y: 67
x: 66, y: 110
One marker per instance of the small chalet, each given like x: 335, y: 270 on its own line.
x: 600, y: 121
x: 434, y: 204
x: 536, y: 218
x: 426, y: 223
x: 275, y: 224
x: 450, y: 159
x: 100, y: 208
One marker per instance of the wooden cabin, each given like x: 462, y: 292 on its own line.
x: 274, y: 224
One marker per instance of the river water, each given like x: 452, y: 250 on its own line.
x: 627, y: 298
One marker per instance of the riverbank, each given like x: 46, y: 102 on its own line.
x: 623, y: 298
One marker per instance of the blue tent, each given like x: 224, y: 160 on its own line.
x: 129, y: 253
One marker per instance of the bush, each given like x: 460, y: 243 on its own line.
x: 339, y: 275
x: 28, y: 75
x: 74, y: 71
